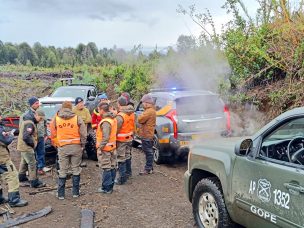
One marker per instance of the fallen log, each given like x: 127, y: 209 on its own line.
x: 26, y: 217
x: 87, y: 218
x: 49, y: 189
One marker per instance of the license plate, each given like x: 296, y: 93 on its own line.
x: 184, y: 143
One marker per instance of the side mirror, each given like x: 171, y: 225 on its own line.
x: 242, y: 148
x: 91, y: 98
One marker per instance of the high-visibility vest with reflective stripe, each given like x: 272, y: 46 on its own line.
x: 111, y: 145
x: 125, y: 134
x: 67, y: 131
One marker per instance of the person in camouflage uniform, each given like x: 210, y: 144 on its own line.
x: 129, y: 149
x: 8, y: 171
x: 125, y: 130
x: 27, y: 142
x: 106, y: 148
x: 71, y: 134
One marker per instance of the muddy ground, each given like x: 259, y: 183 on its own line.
x: 157, y: 200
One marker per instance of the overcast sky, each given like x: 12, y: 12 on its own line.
x: 106, y: 22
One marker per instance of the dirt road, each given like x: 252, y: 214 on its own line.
x: 157, y: 200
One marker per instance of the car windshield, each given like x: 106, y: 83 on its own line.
x: 287, y: 131
x: 69, y: 92
x: 50, y: 110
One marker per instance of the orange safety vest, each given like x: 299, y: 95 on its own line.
x: 127, y: 129
x: 111, y: 145
x: 67, y: 131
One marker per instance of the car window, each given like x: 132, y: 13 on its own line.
x: 70, y: 92
x: 93, y: 93
x: 285, y: 143
x: 160, y: 102
x: 89, y: 93
x: 288, y: 130
x: 199, y: 104
x: 50, y: 110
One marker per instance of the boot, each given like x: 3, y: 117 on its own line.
x: 37, y: 184
x: 23, y: 178
x: 61, y: 188
x: 128, y: 168
x: 106, y: 182
x: 2, y: 198
x: 100, y: 190
x: 76, y: 182
x: 15, y: 200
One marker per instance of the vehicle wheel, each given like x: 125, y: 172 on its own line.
x: 208, y: 205
x: 90, y: 146
x: 157, y: 157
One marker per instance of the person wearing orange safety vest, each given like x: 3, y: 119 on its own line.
x: 70, y: 133
x: 106, y: 148
x: 125, y: 130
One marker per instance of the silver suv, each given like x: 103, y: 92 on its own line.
x: 184, y: 116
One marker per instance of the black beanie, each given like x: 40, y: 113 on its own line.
x: 78, y: 100
x: 32, y: 100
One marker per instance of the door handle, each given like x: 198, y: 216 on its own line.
x: 294, y: 186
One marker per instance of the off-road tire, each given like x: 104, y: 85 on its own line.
x: 157, y: 152
x: 213, y: 187
x: 90, y: 146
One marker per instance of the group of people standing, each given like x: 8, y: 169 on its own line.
x: 114, y: 124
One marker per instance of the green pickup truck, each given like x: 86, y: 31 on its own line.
x: 253, y: 182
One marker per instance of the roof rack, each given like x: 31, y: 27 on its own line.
x: 68, y: 81
x: 81, y: 84
x: 169, y: 89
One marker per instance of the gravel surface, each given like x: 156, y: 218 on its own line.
x: 157, y: 200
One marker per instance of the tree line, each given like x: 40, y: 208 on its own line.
x: 88, y: 54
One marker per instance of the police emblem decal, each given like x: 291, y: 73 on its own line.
x: 264, y: 190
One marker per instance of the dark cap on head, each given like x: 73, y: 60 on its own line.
x: 122, y: 101
x: 32, y: 100
x: 78, y: 100
x: 147, y: 98
x: 67, y: 104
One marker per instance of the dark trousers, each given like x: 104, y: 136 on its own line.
x: 147, y: 146
x: 40, y: 153
x: 108, y: 178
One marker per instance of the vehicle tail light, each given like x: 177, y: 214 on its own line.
x: 172, y: 116
x: 228, y: 121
